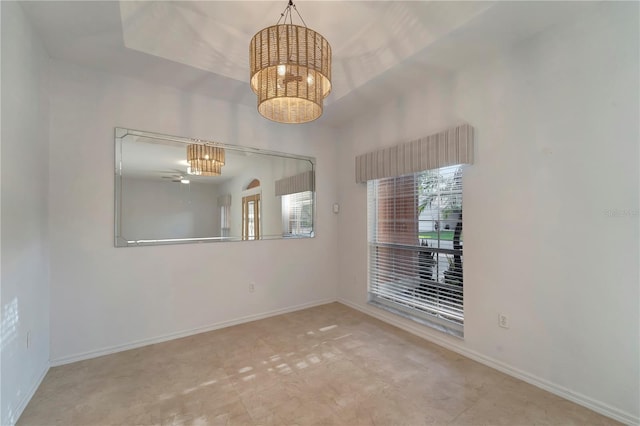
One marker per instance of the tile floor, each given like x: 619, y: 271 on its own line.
x: 328, y: 365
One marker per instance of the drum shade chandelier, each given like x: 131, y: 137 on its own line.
x: 290, y: 70
x: 205, y: 160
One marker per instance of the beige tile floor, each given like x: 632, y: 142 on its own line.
x: 328, y: 365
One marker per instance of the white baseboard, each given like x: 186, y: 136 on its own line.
x: 184, y: 333
x: 420, y: 331
x: 22, y: 403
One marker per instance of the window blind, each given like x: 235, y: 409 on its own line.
x: 224, y: 203
x: 297, y: 214
x: 415, y: 246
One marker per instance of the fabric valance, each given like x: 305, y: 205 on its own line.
x: 447, y: 148
x: 224, y: 200
x: 298, y: 183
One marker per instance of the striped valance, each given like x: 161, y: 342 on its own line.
x: 453, y: 146
x: 298, y: 183
x: 224, y: 200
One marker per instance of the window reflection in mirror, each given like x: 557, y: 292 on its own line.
x: 297, y: 213
x: 167, y: 193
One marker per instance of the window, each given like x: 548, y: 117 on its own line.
x: 225, y: 212
x: 415, y: 246
x: 297, y: 214
x: 224, y: 204
x: 251, y: 217
x: 297, y: 194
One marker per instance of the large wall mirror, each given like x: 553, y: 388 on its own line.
x: 173, y: 190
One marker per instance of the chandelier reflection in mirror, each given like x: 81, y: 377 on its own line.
x: 290, y: 70
x: 205, y: 160
x: 155, y: 205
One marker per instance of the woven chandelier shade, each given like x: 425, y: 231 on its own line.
x: 204, y: 168
x: 205, y: 160
x: 290, y: 72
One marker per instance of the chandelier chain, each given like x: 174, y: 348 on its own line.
x: 300, y: 16
x: 287, y: 13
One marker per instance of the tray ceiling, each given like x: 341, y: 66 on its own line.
x: 378, y: 46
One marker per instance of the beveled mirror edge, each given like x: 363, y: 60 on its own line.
x: 123, y: 132
x: 120, y: 241
x: 173, y: 241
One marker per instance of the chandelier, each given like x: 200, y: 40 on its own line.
x: 205, y: 160
x: 290, y: 70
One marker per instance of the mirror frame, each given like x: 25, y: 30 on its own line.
x: 121, y: 241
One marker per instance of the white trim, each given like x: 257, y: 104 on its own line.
x: 184, y: 333
x: 22, y: 404
x: 424, y: 332
x: 252, y: 191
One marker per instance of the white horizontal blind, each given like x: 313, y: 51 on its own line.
x: 415, y: 246
x: 224, y: 221
x: 297, y: 214
x: 224, y: 202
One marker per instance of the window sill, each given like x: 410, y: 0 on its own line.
x: 435, y: 323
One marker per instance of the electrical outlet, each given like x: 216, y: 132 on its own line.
x: 28, y: 339
x: 503, y: 321
x: 252, y: 287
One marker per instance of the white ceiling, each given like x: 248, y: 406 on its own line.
x: 203, y: 46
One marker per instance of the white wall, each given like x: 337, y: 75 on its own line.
x: 103, y: 297
x: 24, y: 294
x: 556, y: 150
x: 155, y: 209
